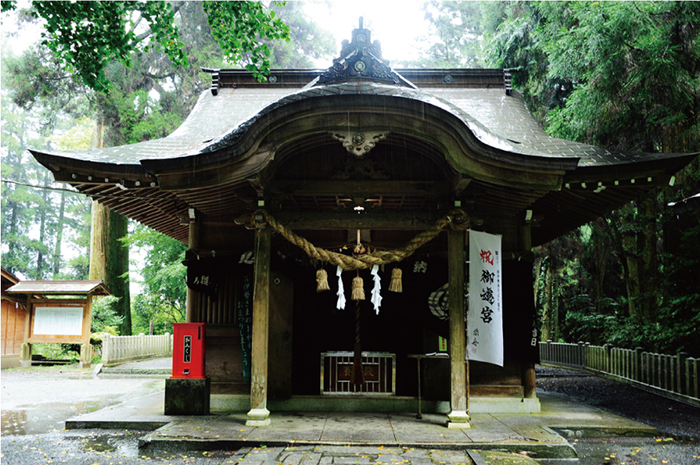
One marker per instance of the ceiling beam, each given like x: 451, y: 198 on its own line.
x: 348, y: 220
x: 367, y: 188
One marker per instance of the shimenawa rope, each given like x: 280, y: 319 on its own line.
x: 376, y: 257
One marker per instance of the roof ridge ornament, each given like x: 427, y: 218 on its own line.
x: 361, y: 59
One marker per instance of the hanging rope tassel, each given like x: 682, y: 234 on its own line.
x: 358, y: 291
x: 395, y: 284
x: 322, y: 281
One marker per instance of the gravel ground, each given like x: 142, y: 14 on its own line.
x: 670, y: 418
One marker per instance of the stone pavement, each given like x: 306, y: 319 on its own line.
x: 366, y: 455
x: 332, y: 437
x: 541, y: 435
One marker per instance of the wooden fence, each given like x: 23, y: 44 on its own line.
x: 120, y: 349
x: 674, y: 376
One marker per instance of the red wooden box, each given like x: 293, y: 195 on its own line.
x: 188, y: 350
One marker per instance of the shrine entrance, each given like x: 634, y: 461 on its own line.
x: 359, y: 160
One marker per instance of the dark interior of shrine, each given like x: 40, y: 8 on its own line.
x: 407, y: 323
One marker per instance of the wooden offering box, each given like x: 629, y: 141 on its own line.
x: 378, y: 369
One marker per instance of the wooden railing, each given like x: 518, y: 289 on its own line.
x: 120, y: 349
x: 674, y: 376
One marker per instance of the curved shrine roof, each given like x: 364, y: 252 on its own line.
x: 218, y: 121
x: 498, y: 160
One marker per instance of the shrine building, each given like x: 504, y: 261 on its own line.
x: 307, y: 181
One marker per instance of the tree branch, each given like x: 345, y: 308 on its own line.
x: 159, y: 76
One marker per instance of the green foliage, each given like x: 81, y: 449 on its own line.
x: 512, y: 40
x: 623, y: 75
x: 104, y: 317
x: 590, y: 279
x: 636, y: 69
x: 77, y: 137
x: 39, y: 83
x: 7, y: 5
x: 455, y: 38
x: 239, y: 27
x: 57, y: 351
x: 88, y: 35
x: 307, y: 40
x: 626, y: 76
x: 141, y: 117
x: 163, y: 298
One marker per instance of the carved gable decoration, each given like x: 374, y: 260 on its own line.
x: 361, y: 59
x: 359, y: 143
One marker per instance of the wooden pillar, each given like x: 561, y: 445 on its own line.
x: 525, y: 238
x: 259, y: 415
x: 529, y: 381
x: 459, y: 414
x: 192, y: 296
x: 86, y: 347
x: 528, y: 375
x: 25, y: 358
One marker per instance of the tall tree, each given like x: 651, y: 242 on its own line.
x: 636, y: 68
x: 76, y: 138
x: 106, y: 31
x: 109, y: 260
x: 27, y: 209
x: 163, y: 300
x: 139, y: 66
x: 623, y: 75
x: 308, y: 40
x: 455, y: 38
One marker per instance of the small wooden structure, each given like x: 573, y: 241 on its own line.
x: 12, y: 326
x: 58, y: 312
x: 263, y: 180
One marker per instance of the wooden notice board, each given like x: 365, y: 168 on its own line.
x: 54, y: 317
x: 60, y: 322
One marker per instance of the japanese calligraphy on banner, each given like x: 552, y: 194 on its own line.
x: 485, y: 315
x: 245, y: 318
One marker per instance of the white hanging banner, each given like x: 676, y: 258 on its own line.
x: 485, y: 315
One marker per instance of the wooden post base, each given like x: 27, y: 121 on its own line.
x: 85, y: 355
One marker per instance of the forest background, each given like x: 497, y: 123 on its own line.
x: 620, y: 75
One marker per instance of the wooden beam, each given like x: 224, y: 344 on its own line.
x: 370, y: 188
x: 358, y: 220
